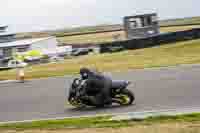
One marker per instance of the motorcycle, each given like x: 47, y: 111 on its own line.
x: 119, y: 93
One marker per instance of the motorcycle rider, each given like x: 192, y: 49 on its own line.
x: 98, y: 83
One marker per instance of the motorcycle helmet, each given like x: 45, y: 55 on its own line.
x: 84, y: 73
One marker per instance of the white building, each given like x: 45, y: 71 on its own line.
x: 5, y: 36
x: 48, y: 45
x: 3, y: 28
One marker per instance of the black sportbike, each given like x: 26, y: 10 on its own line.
x: 120, y: 94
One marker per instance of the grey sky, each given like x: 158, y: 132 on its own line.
x: 33, y: 15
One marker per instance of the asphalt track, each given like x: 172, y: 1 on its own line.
x: 155, y: 89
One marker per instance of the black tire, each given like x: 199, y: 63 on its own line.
x: 130, y: 95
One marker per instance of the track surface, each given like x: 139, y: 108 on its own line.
x: 155, y: 89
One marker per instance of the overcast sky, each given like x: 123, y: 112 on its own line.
x: 34, y: 15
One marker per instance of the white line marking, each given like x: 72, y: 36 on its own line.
x: 8, y: 81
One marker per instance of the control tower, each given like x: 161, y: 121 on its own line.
x: 141, y: 26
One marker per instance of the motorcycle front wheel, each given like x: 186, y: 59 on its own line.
x: 126, y: 97
x: 76, y: 103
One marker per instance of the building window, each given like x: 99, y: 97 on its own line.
x: 135, y: 23
x: 146, y: 21
x: 7, y: 52
x: 154, y: 20
x: 1, y: 53
x: 149, y: 21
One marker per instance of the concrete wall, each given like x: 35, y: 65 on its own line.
x: 143, y: 32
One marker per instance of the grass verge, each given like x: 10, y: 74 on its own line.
x: 186, y: 52
x: 99, y: 122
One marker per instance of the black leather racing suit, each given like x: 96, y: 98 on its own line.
x: 98, y: 89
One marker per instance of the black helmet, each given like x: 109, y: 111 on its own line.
x: 84, y: 72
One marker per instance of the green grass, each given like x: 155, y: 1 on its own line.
x: 178, y: 28
x: 187, y: 52
x: 56, y: 124
x: 98, y: 122
x: 180, y: 21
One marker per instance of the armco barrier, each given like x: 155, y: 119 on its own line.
x: 152, y: 41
